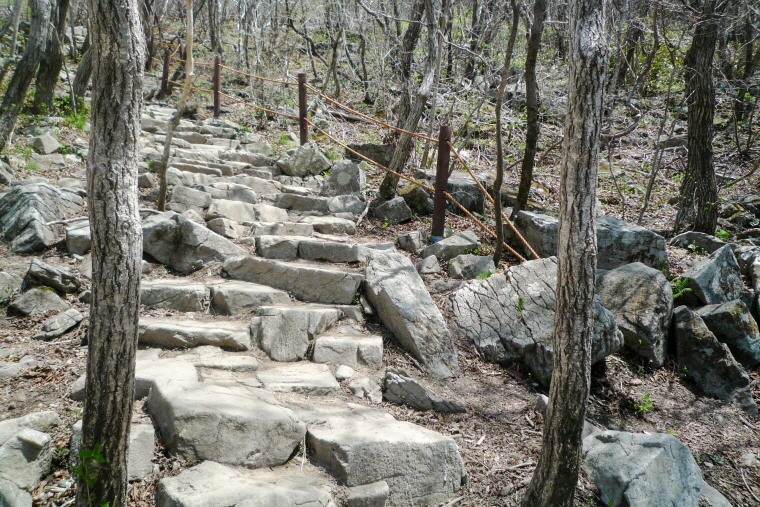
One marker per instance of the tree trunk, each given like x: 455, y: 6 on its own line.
x: 82, y: 77
x: 52, y: 61
x: 116, y: 244
x: 13, y: 24
x: 556, y: 474
x: 699, y: 192
x: 476, y: 29
x: 403, y: 57
x: 27, y: 66
x: 531, y: 106
x: 215, y: 26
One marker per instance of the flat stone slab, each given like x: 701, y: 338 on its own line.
x: 208, y: 356
x: 306, y: 282
x: 59, y: 325
x: 212, y: 484
x: 231, y: 297
x: 37, y: 302
x: 190, y: 333
x: 142, y: 445
x: 285, y: 332
x: 302, y: 377
x: 330, y: 225
x: 362, y: 445
x: 350, y: 350
x: 281, y: 229
x: 232, y: 425
x: 180, y: 295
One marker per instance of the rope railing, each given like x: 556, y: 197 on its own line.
x: 277, y: 81
x: 369, y: 118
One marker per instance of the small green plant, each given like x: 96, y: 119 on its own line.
x: 285, y: 139
x: 483, y: 275
x: 722, y: 235
x: 645, y: 405
x: 152, y: 166
x: 32, y: 166
x: 520, y: 306
x: 695, y: 249
x: 474, y: 251
x: 679, y: 286
x: 685, y: 370
x: 697, y: 456
x: 86, y: 473
x: 671, y: 432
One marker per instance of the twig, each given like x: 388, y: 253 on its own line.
x: 454, y: 501
x: 746, y: 422
x: 741, y: 470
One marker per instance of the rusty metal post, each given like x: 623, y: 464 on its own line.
x: 441, y: 180
x: 151, y: 53
x: 217, y: 86
x: 165, y: 76
x: 303, y: 127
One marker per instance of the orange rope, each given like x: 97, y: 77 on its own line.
x: 258, y: 107
x: 369, y: 118
x: 490, y: 199
x: 288, y: 83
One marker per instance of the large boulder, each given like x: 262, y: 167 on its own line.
x: 638, y: 470
x: 404, y: 305
x: 184, y: 245
x: 708, y: 362
x: 618, y: 242
x: 510, y: 317
x: 732, y: 324
x: 345, y: 178
x: 713, y: 280
x: 303, y: 161
x: 26, y: 210
x: 641, y: 300
x: 234, y: 425
x: 461, y: 187
x: 185, y: 198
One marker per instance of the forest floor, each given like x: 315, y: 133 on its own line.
x: 499, y: 437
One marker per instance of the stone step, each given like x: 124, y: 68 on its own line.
x: 347, y: 345
x: 313, y: 249
x: 330, y: 225
x: 280, y: 229
x: 190, y: 333
x: 285, y: 332
x: 302, y: 377
x: 233, y: 297
x: 174, y: 294
x: 210, y: 357
x: 307, y: 282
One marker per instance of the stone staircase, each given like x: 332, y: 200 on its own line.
x: 243, y: 335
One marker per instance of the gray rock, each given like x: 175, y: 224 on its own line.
x: 305, y: 160
x: 401, y: 389
x: 25, y: 458
x: 234, y: 298
x: 45, y: 144
x: 233, y: 425
x: 40, y: 273
x: 368, y: 495
x: 172, y: 294
x: 708, y: 362
x: 345, y: 178
x: 411, y: 241
x: 278, y: 247
x: 227, y: 228
x: 285, y: 332
x: 39, y: 421
x: 332, y: 251
x: 345, y: 204
x: 6, y: 174
x: 267, y: 213
x: 280, y: 229
x: 365, y: 388
x: 467, y: 266
x: 405, y: 307
x: 715, y: 279
x: 429, y: 265
x: 178, y: 333
x: 306, y: 282
x: 230, y: 192
x: 297, y: 202
x: 639, y: 470
x: 184, y: 245
x: 732, y: 324
x: 13, y: 496
x: 59, y: 325
x: 510, y: 317
x: 712, y: 497
x: 344, y: 372
x: 380, y: 153
x: 185, y: 198
x: 363, y: 445
x: 641, y: 300
x: 330, y: 225
x: 393, y: 211
x: 447, y: 249
x: 417, y: 198
x: 302, y: 377
x: 461, y: 187
x: 254, y: 159
x: 236, y: 211
x: 349, y: 349
x: 37, y: 302
x: 692, y: 240
x: 208, y: 356
x: 146, y: 180
x: 9, y: 285
x: 618, y: 242
x: 212, y: 484
x: 79, y: 238
x: 25, y: 211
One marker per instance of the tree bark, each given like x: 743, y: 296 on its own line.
x: 82, y: 77
x: 698, y: 201
x: 27, y: 66
x: 116, y: 244
x: 556, y: 474
x: 215, y: 26
x: 52, y: 61
x: 531, y: 106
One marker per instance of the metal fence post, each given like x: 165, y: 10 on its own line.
x: 441, y: 180
x: 217, y: 86
x: 303, y: 127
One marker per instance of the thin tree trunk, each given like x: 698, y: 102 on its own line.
x: 13, y: 22
x: 404, y: 56
x: 699, y: 192
x: 556, y: 474
x: 499, y: 142
x: 27, y: 66
x: 82, y: 77
x: 52, y: 61
x: 116, y: 245
x: 531, y: 106
x: 215, y: 26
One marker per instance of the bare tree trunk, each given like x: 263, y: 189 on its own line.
x: 215, y: 26
x: 499, y: 142
x: 82, y: 77
x: 27, y: 66
x: 403, y: 57
x: 699, y: 192
x: 556, y: 474
x: 52, y: 61
x: 531, y: 106
x: 116, y: 245
x: 13, y: 23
